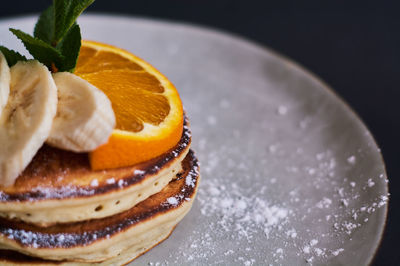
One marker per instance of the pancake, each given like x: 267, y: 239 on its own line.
x: 128, y: 234
x: 59, y: 187
x: 9, y: 257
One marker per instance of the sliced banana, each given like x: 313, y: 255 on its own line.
x: 4, y: 82
x: 26, y: 120
x: 85, y: 118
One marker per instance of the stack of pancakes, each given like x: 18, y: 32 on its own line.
x: 61, y: 212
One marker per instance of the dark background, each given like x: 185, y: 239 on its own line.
x: 352, y: 45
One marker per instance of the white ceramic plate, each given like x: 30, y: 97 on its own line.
x: 290, y: 175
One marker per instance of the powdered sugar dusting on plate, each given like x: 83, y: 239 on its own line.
x: 256, y: 228
x: 239, y: 212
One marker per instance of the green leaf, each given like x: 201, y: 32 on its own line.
x: 45, y: 26
x: 66, y: 13
x: 39, y: 49
x: 69, y: 48
x: 12, y: 56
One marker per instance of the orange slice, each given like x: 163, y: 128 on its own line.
x: 147, y: 107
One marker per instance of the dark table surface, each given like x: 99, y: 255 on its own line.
x: 352, y: 45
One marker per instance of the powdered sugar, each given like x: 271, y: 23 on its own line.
x: 110, y: 180
x: 172, y: 201
x: 59, y: 193
x: 141, y: 172
x: 189, y: 181
x: 282, y: 110
x: 239, y: 212
x: 351, y: 160
x: 337, y: 252
x: 370, y: 183
x: 324, y: 203
x: 94, y: 183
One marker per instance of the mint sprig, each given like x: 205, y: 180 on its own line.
x: 57, y: 37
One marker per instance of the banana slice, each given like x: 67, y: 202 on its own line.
x: 27, y: 117
x: 4, y: 81
x: 85, y: 118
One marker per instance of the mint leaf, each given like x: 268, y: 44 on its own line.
x: 66, y: 13
x: 12, y: 56
x: 69, y: 48
x: 39, y: 49
x: 45, y: 26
